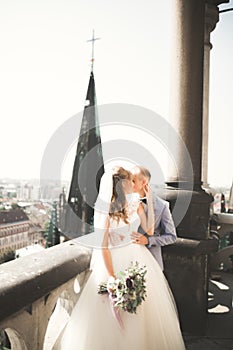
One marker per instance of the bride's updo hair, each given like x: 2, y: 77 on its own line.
x: 118, y: 208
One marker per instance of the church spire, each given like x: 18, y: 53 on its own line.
x: 88, y: 167
x: 87, y: 170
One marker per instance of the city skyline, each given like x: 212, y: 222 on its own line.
x: 45, y: 67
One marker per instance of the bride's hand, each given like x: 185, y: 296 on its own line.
x: 150, y: 210
x: 110, y: 281
x: 147, y: 190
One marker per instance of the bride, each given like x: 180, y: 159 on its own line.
x: 93, y: 325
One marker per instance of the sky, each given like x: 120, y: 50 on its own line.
x: 45, y: 67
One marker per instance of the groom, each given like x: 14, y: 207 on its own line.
x: 164, y: 231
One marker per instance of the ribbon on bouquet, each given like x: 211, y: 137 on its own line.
x: 116, y: 312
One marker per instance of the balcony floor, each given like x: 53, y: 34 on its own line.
x: 219, y: 333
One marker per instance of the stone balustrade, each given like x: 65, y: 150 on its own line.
x: 187, y: 268
x: 38, y: 292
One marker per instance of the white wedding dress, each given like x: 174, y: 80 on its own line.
x: 92, y: 325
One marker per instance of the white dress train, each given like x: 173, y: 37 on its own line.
x: 92, y: 325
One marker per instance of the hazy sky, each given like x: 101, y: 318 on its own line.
x: 45, y: 65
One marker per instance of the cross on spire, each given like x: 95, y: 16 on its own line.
x: 93, y: 43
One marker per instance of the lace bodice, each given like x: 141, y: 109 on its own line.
x: 119, y: 233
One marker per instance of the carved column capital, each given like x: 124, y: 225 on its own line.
x: 217, y: 2
x: 211, y: 19
x: 212, y: 14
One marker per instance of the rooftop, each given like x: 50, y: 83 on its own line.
x: 12, y: 216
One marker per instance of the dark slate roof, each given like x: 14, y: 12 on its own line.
x: 12, y: 216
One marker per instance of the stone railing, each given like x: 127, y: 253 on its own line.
x: 38, y: 292
x: 223, y: 224
x: 187, y: 268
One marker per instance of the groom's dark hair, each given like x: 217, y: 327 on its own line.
x: 144, y: 171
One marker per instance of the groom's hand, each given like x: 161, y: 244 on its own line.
x: 138, y: 238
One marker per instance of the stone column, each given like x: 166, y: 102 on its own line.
x: 211, y: 19
x: 186, y: 98
x: 186, y: 116
x: 186, y: 108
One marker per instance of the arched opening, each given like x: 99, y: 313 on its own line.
x: 61, y: 314
x: 11, y: 339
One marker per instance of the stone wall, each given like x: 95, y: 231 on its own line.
x: 38, y: 293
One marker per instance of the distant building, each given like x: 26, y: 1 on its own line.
x: 14, y: 227
x: 8, y: 190
x: 35, y: 234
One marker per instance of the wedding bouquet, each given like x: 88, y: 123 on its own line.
x: 128, y: 289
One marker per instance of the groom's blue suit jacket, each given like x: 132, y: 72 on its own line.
x: 164, y: 232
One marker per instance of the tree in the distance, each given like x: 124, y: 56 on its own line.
x: 8, y: 255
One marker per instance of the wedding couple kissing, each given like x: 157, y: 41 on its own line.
x: 133, y: 224
x: 164, y: 231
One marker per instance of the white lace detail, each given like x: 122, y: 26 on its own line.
x: 119, y: 233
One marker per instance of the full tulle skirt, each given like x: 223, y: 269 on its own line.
x: 93, y: 325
